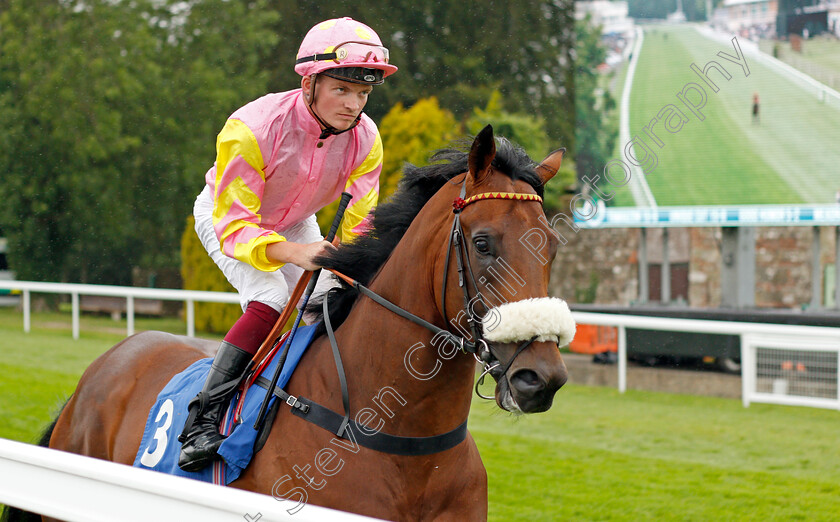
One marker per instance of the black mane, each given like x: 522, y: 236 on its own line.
x: 362, y: 258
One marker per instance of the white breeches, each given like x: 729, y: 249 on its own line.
x: 271, y: 288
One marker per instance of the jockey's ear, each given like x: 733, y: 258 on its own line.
x: 549, y: 166
x: 482, y: 152
x: 306, y: 86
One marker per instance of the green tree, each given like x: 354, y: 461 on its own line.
x: 526, y: 131
x: 458, y: 52
x: 411, y: 136
x: 596, y: 129
x: 112, y: 110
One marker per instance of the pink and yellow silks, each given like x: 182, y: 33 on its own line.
x: 272, y: 171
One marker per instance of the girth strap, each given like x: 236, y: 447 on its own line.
x: 364, y: 436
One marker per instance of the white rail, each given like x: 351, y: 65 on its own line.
x: 75, y: 488
x: 823, y: 92
x: 825, y: 337
x: 129, y: 292
x: 639, y: 188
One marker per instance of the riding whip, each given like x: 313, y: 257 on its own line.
x: 342, y: 206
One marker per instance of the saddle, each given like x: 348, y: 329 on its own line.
x: 159, y: 447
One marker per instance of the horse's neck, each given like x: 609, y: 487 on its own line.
x: 388, y: 356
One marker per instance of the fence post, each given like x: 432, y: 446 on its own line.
x: 665, y: 272
x: 75, y: 299
x: 129, y: 314
x: 190, y: 318
x: 622, y: 359
x: 837, y: 267
x: 838, y: 380
x: 816, y: 270
x: 27, y: 317
x: 746, y: 366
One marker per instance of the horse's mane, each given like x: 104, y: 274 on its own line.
x: 362, y: 258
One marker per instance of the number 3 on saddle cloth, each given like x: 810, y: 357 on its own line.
x: 159, y: 447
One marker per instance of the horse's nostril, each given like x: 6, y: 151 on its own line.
x: 527, y: 381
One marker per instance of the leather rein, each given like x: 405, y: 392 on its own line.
x: 480, y: 348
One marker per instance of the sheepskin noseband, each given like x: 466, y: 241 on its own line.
x: 547, y: 318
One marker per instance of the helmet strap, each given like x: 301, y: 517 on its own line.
x: 327, y: 130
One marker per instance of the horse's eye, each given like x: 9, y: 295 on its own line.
x: 482, y: 246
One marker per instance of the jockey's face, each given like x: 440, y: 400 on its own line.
x: 337, y: 102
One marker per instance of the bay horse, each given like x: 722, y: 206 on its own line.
x: 398, y: 380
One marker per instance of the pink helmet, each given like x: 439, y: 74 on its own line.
x: 350, y: 50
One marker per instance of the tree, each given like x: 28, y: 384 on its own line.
x: 411, y: 136
x: 522, y: 129
x: 458, y: 52
x: 596, y: 130
x: 112, y: 109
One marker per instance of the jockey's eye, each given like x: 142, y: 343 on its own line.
x: 482, y: 246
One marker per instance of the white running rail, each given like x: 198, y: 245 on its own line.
x: 81, y: 489
x: 129, y: 292
x: 788, y: 339
x: 639, y: 188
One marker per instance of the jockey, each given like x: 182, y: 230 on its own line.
x: 280, y: 159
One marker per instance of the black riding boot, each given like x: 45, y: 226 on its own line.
x: 203, y: 439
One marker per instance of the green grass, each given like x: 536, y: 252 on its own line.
x: 39, y: 370
x: 820, y: 51
x: 790, y: 157
x: 596, y: 455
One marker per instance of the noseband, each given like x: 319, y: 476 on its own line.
x: 480, y: 348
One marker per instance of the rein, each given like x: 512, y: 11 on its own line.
x: 481, y: 350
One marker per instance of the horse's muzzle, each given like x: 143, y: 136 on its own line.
x: 530, y: 390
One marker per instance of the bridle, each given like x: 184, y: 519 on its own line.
x: 480, y: 348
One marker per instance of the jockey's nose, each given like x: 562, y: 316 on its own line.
x: 353, y: 104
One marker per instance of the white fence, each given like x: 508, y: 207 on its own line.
x: 129, y: 292
x: 822, y: 92
x: 792, y: 370
x: 812, y: 351
x: 81, y: 489
x: 780, y: 364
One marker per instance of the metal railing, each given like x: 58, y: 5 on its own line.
x: 757, y: 342
x: 130, y: 293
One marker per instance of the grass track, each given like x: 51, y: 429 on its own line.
x: 790, y: 157
x: 596, y: 455
x: 821, y: 51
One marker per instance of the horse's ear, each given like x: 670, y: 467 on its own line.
x: 549, y: 166
x: 482, y: 152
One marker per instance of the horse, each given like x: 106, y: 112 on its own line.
x: 400, y: 379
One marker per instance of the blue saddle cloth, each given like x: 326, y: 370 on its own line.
x: 159, y: 448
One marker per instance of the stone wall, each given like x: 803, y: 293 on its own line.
x: 704, y: 267
x: 601, y: 266
x: 783, y: 266
x: 598, y: 266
